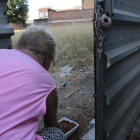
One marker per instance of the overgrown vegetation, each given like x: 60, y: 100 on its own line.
x: 17, y: 11
x: 75, y: 44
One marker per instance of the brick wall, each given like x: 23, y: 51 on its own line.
x: 87, y: 4
x: 16, y: 26
x: 71, y: 15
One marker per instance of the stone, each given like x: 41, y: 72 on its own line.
x: 92, y: 123
x: 90, y: 135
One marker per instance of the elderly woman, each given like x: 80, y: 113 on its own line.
x: 27, y: 90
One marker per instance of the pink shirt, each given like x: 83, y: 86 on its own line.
x: 24, y: 87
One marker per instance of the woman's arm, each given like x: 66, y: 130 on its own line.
x: 50, y: 118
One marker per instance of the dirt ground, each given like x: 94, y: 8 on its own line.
x: 79, y: 107
x: 134, y: 133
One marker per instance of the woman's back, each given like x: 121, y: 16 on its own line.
x: 24, y: 87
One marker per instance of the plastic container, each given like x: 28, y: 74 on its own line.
x: 72, y: 130
x: 63, y: 84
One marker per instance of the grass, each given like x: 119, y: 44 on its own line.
x: 16, y: 37
x: 75, y: 44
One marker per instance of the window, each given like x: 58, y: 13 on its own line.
x: 41, y: 15
x: 46, y: 14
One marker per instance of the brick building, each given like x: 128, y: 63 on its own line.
x: 43, y: 12
x: 87, y: 4
x: 71, y: 16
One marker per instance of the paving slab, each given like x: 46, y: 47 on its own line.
x: 90, y: 135
x: 92, y: 123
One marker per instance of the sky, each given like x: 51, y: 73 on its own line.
x: 34, y: 5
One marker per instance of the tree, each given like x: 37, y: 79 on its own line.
x: 17, y: 11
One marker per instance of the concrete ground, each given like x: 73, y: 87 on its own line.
x: 91, y: 134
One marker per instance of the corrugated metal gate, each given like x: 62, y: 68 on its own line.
x: 117, y: 88
x: 6, y: 31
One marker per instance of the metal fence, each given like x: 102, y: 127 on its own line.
x: 5, y: 30
x: 118, y: 87
x: 70, y: 22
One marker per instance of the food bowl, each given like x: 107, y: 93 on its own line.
x: 73, y: 129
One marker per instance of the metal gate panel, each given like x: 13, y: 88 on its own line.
x: 120, y: 91
x: 6, y: 31
x: 3, y: 17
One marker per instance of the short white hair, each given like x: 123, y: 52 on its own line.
x: 39, y: 40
